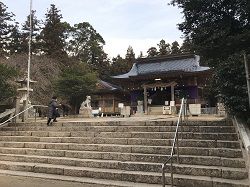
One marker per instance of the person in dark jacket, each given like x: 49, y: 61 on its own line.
x: 53, y: 112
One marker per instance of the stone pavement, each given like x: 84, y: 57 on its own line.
x: 21, y: 181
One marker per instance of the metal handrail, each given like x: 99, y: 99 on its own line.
x: 182, y: 112
x: 5, y: 122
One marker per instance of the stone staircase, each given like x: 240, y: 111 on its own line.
x: 124, y: 153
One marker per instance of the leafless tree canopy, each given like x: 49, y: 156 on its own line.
x: 44, y: 70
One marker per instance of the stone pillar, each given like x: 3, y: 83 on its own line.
x: 26, y: 113
x: 17, y: 108
x: 145, y: 100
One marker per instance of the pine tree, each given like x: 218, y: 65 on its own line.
x: 164, y: 48
x: 140, y: 55
x: 187, y: 46
x: 119, y: 66
x: 86, y: 44
x: 6, y: 89
x: 36, y: 29
x: 152, y: 51
x: 6, y: 26
x: 15, y: 41
x: 52, y: 35
x: 220, y: 32
x: 130, y: 57
x: 175, y: 48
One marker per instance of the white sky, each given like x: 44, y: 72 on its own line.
x: 139, y: 23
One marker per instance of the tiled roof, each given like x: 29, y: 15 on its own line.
x: 107, y: 86
x: 185, y: 64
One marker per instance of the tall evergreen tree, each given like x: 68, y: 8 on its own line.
x: 187, y: 46
x: 6, y: 89
x: 216, y: 28
x: 84, y: 40
x: 86, y: 44
x: 36, y: 30
x: 6, y: 26
x: 220, y: 31
x: 164, y: 48
x: 75, y: 83
x: 152, y: 51
x: 15, y: 41
x: 130, y: 57
x: 141, y: 55
x: 119, y: 66
x: 53, y: 33
x: 175, y: 48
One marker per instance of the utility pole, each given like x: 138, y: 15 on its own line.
x: 247, y: 76
x: 29, y: 58
x: 26, y: 102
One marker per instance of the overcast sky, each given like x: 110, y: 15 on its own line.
x: 139, y: 23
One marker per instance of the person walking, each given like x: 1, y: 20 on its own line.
x: 53, y: 110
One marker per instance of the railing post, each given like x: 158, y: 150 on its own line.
x: 163, y: 175
x: 172, y: 175
x: 177, y: 142
x: 35, y: 113
x: 181, y: 128
x: 185, y: 109
x: 181, y: 118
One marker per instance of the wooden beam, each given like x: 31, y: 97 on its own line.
x: 160, y: 84
x: 172, y: 93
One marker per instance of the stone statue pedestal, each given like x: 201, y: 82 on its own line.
x: 85, y: 112
x: 139, y: 111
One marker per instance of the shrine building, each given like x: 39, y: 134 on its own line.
x: 164, y: 80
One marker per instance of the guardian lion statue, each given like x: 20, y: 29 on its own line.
x: 86, y: 103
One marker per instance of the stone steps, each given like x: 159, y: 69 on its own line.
x: 123, y: 123
x: 115, y: 174
x: 127, y: 151
x: 115, y: 149
x: 184, y: 159
x: 212, y: 171
x: 201, y: 129
x: 123, y: 141
x: 187, y: 159
x: 127, y: 141
x: 148, y: 135
x: 24, y: 179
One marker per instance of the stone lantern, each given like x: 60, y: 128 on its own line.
x: 23, y: 91
x: 23, y: 96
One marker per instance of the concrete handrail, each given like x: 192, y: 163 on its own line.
x: 244, y: 133
x: 7, y: 112
x: 32, y: 106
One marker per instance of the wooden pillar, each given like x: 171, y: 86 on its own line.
x: 145, y: 100
x: 195, y: 81
x: 113, y: 104
x: 172, y: 92
x: 103, y: 104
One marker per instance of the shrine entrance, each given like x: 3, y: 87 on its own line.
x: 158, y: 93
